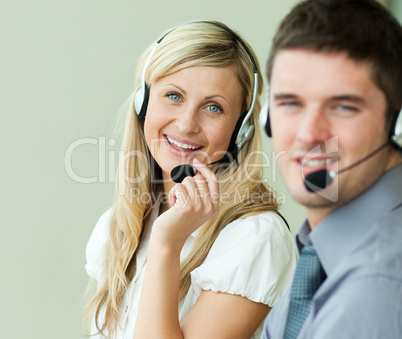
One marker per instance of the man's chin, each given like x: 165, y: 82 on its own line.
x: 320, y: 199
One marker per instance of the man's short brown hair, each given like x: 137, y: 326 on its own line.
x: 363, y: 29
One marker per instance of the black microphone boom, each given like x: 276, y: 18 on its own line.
x: 316, y: 181
x: 178, y: 173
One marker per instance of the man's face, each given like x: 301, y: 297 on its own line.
x: 326, y: 113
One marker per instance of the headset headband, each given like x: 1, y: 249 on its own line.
x: 244, y: 130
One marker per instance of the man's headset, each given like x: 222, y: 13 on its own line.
x: 395, y: 137
x: 243, y: 130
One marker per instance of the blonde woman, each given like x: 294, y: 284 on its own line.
x: 207, y: 257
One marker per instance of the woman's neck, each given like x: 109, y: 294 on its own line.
x: 163, y: 207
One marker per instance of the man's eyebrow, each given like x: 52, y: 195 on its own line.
x: 345, y: 97
x: 348, y: 97
x: 281, y: 96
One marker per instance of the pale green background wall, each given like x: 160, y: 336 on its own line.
x: 396, y: 7
x: 65, y: 69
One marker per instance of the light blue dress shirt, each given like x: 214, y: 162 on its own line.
x: 360, y: 248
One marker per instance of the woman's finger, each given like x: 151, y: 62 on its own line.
x: 211, y: 180
x: 178, y: 194
x: 198, y: 190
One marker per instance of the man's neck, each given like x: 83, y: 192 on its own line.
x: 316, y: 215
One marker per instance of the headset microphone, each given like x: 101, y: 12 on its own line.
x: 319, y: 180
x: 180, y: 172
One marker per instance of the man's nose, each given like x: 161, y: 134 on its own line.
x: 314, y: 127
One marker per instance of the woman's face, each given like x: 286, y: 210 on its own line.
x: 192, y: 113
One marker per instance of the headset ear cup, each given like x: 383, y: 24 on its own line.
x: 243, y: 134
x: 141, y: 101
x: 247, y: 135
x: 264, y: 120
x: 233, y: 143
x: 267, y: 126
x: 396, y: 131
x: 138, y: 99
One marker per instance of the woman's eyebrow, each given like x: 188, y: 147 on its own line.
x: 216, y: 96
x: 178, y: 87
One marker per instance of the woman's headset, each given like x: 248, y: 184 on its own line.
x: 243, y: 130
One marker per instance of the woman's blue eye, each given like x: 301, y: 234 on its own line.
x: 174, y: 96
x: 214, y: 109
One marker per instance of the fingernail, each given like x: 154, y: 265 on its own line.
x: 196, y: 162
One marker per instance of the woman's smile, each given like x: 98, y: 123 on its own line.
x: 187, y: 119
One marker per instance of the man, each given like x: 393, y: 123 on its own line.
x: 335, y: 74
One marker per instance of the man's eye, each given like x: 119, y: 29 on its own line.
x: 346, y: 108
x: 291, y: 104
x: 174, y: 96
x: 214, y: 108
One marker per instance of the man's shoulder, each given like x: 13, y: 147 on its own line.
x: 367, y: 307
x: 377, y: 253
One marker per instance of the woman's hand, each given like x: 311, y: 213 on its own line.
x: 193, y: 202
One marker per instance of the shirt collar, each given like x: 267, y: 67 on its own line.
x: 303, y: 236
x: 336, y: 235
x: 195, y: 233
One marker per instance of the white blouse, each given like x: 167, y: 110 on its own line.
x: 253, y: 257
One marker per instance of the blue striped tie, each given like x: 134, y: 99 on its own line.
x: 308, y: 277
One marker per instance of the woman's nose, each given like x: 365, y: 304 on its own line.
x: 188, y: 121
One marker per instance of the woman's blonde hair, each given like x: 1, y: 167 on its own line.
x: 241, y: 183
